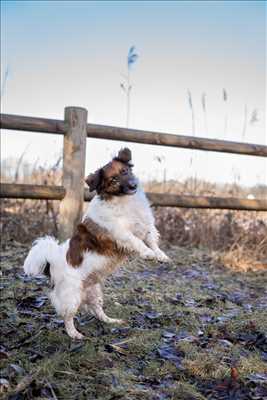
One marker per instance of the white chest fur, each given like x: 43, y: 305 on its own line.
x: 131, y: 213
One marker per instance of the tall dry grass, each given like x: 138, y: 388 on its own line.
x: 238, y: 239
x: 23, y: 220
x: 235, y: 238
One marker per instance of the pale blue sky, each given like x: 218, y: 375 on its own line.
x: 74, y: 53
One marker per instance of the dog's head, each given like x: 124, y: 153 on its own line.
x: 115, y: 178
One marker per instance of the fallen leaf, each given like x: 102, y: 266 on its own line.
x: 168, y: 334
x: 234, y: 374
x: 169, y: 352
x: 258, y: 378
x: 32, y: 302
x: 152, y: 315
x: 17, y: 369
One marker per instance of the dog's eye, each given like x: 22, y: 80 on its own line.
x: 124, y: 172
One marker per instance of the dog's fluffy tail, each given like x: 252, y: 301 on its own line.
x: 44, y: 250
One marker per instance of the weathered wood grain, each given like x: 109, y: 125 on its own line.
x: 70, y: 211
x: 16, y: 122
x: 182, y: 141
x: 32, y: 124
x: 40, y: 192
x: 230, y: 203
x: 16, y: 191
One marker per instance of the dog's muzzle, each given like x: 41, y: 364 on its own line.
x: 130, y: 188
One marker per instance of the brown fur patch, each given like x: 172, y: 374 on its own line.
x: 92, y: 279
x: 113, y: 168
x: 115, y: 178
x: 99, y: 276
x: 92, y: 237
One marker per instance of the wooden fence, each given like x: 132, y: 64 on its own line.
x: 75, y: 129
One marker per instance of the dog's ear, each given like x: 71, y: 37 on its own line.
x: 124, y: 155
x: 94, y: 180
x: 82, y: 229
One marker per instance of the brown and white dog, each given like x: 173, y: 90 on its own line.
x: 118, y: 222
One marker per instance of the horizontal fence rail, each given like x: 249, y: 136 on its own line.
x: 75, y: 130
x: 32, y: 124
x: 35, y: 192
x: 44, y: 125
x: 43, y: 192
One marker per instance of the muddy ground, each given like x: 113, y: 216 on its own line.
x: 195, y: 330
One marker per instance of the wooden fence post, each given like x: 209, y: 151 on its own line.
x: 74, y: 150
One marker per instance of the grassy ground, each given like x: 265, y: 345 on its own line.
x: 195, y: 331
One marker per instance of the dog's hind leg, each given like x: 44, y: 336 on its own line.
x: 99, y: 313
x: 95, y: 303
x: 70, y: 328
x: 66, y: 299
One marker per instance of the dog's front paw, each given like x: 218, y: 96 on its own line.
x: 162, y: 257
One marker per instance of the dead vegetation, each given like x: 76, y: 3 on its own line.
x: 196, y: 330
x: 237, y: 239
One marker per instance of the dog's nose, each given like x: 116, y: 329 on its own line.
x: 132, y: 185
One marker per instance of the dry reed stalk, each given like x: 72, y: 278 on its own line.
x: 225, y: 99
